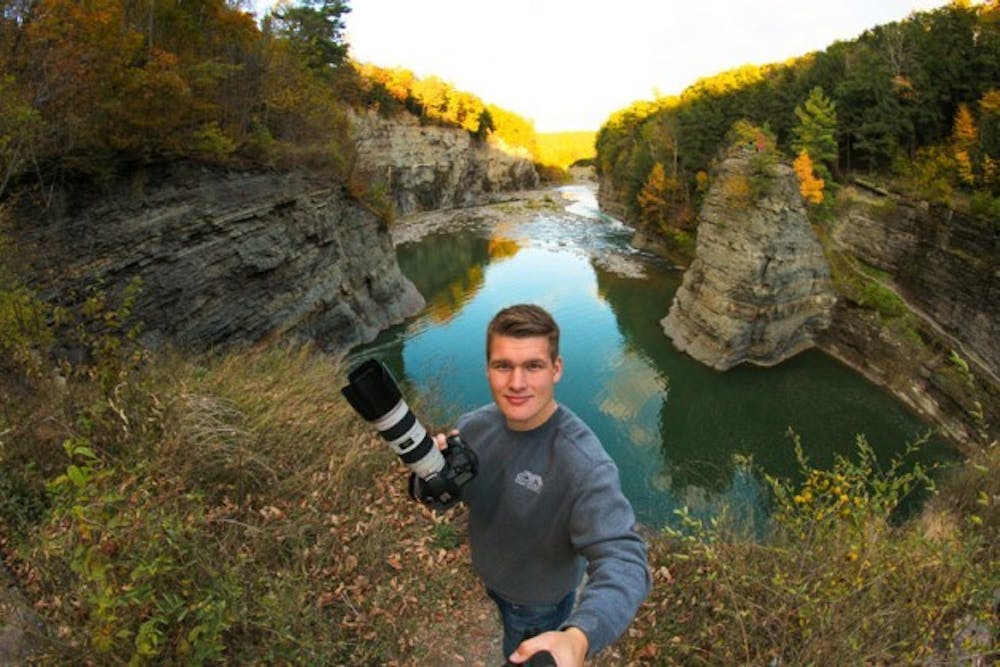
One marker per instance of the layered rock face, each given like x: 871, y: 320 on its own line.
x: 226, y: 257
x: 426, y: 167
x: 610, y: 198
x: 943, y: 262
x: 759, y: 289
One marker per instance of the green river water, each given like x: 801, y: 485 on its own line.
x: 675, y: 427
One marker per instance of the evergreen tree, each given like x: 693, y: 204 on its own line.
x: 816, y: 133
x: 315, y: 28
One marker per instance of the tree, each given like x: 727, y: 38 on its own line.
x: 810, y: 186
x: 654, y: 196
x: 816, y: 133
x: 19, y: 129
x: 989, y: 137
x: 964, y: 138
x: 315, y: 30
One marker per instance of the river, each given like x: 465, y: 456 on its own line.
x: 676, y: 428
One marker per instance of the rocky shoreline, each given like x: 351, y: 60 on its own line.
x: 510, y: 207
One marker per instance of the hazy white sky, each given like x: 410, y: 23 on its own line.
x: 569, y: 64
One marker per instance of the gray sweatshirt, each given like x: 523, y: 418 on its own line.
x: 545, y: 506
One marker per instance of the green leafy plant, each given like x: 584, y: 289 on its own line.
x: 847, y: 574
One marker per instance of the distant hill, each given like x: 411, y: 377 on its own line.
x: 562, y: 149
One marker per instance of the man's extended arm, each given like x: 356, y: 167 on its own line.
x: 618, y: 580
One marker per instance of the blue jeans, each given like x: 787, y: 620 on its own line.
x: 521, y: 621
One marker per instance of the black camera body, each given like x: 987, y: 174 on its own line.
x: 437, y: 476
x: 443, y: 490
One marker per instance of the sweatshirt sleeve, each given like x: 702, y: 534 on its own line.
x: 603, y: 531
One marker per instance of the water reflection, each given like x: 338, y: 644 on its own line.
x: 676, y: 428
x: 500, y: 248
x: 447, y: 270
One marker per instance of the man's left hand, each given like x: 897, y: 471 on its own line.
x: 568, y: 647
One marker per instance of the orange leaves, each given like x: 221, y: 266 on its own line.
x: 137, y: 78
x: 155, y: 98
x: 810, y: 186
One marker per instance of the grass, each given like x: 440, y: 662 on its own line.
x: 231, y: 509
x: 254, y: 520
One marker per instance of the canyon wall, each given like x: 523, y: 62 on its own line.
x: 427, y: 167
x: 944, y: 263
x: 223, y: 256
x: 229, y: 256
x: 940, y: 354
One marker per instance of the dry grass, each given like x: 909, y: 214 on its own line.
x: 234, y: 510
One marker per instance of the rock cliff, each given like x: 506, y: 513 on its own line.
x: 225, y: 256
x: 610, y: 198
x: 759, y: 289
x: 427, y: 167
x: 944, y: 263
x: 944, y: 267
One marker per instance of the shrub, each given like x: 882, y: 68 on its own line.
x: 838, y: 580
x: 252, y: 520
x: 880, y: 298
x: 986, y: 205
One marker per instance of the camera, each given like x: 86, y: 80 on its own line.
x: 436, y: 477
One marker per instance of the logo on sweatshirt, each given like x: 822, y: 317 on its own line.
x: 529, y: 480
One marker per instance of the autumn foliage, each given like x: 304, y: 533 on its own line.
x: 92, y: 86
x: 914, y: 101
x: 810, y: 185
x: 113, y: 80
x: 653, y: 196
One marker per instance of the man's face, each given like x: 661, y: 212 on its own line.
x: 522, y: 379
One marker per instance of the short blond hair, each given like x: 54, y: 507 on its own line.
x: 524, y: 320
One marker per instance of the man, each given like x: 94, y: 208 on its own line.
x: 546, y: 504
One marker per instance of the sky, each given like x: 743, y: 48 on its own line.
x: 570, y: 64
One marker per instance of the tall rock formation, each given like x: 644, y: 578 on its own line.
x: 759, y: 289
x: 225, y: 257
x: 427, y: 167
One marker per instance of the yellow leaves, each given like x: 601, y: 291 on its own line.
x: 659, y: 199
x: 701, y: 180
x: 964, y: 165
x: 720, y: 84
x: 654, y: 196
x: 810, y: 186
x: 964, y: 133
